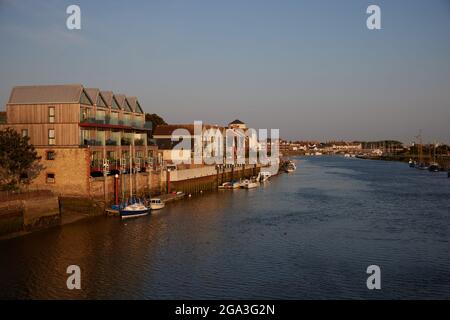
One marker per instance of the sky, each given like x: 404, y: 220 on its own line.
x: 309, y: 68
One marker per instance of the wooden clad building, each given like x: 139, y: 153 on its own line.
x: 80, y: 133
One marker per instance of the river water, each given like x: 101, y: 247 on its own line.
x: 306, y: 235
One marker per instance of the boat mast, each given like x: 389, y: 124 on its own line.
x: 131, y: 174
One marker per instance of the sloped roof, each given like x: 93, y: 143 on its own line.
x: 65, y: 93
x: 92, y: 93
x: 134, y: 104
x: 120, y: 98
x: 237, y: 121
x: 107, y: 97
x: 168, y: 129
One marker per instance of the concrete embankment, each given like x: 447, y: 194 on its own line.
x: 26, y: 215
x: 207, y: 178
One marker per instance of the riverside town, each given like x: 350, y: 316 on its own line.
x: 223, y: 158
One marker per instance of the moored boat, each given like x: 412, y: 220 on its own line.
x: 434, y: 167
x: 421, y: 166
x: 133, y: 209
x: 230, y: 185
x: 290, y: 166
x: 156, y: 204
x: 249, y: 184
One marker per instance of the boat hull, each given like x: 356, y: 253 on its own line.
x: 251, y: 185
x: 125, y: 214
x: 158, y: 206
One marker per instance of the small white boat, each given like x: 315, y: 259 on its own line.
x: 230, y: 185
x: 290, y: 167
x: 156, y: 204
x: 249, y: 184
x: 235, y: 185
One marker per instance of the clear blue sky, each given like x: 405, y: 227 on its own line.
x: 310, y: 68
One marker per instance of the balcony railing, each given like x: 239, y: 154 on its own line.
x: 91, y: 142
x: 122, y: 122
x: 125, y: 141
x: 139, y: 142
x: 111, y: 142
x: 148, y: 125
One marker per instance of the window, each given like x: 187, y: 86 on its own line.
x: 50, y: 178
x: 51, y: 155
x: 24, y: 133
x: 51, y: 136
x: 51, y: 114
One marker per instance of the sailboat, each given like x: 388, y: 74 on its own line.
x: 133, y: 207
x: 420, y: 164
x: 434, y: 166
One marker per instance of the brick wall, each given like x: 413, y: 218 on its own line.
x: 71, y: 170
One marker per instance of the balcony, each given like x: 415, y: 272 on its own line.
x: 148, y: 125
x: 115, y: 123
x: 125, y: 141
x: 91, y: 142
x: 112, y: 142
x: 139, y: 142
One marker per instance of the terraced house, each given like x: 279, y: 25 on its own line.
x: 80, y: 133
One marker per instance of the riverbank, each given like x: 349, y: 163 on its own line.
x: 24, y: 213
x: 442, y: 160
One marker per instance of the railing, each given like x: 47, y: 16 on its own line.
x: 114, y: 121
x: 91, y: 142
x: 148, y: 125
x: 139, y: 142
x: 111, y: 142
x: 125, y: 141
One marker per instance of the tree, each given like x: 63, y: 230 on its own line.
x: 154, y: 119
x: 19, y: 162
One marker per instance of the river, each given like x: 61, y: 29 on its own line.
x: 306, y: 235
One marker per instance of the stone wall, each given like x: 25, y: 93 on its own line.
x: 40, y: 213
x: 29, y: 215
x: 142, y: 183
x: 71, y: 169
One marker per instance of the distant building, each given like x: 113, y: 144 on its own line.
x: 237, y: 124
x: 182, y: 137
x: 346, y: 146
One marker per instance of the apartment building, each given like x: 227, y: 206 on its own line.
x: 80, y: 133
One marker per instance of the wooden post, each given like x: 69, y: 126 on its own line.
x: 116, y: 189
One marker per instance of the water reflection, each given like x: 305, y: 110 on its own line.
x: 310, y: 234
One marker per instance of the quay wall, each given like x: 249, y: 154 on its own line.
x: 207, y: 178
x: 29, y: 214
x: 70, y: 167
x: 142, y: 184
